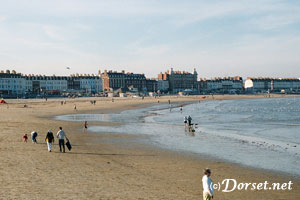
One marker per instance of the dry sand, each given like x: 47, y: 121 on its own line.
x: 106, y: 166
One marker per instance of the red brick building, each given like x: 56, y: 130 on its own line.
x: 180, y: 80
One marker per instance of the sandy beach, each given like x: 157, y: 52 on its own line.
x: 110, y: 166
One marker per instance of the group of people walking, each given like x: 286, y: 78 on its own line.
x: 61, y: 135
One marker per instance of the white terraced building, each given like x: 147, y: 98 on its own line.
x: 230, y: 85
x: 11, y: 83
x: 262, y: 85
x: 91, y: 84
x: 16, y: 84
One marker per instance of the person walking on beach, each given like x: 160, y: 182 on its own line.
x: 208, y: 190
x: 189, y: 120
x: 49, y: 139
x: 34, y: 135
x: 61, y: 135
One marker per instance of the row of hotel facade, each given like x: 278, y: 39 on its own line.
x: 172, y: 82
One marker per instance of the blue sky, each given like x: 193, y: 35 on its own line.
x: 218, y: 38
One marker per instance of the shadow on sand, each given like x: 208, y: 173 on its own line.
x: 104, y: 154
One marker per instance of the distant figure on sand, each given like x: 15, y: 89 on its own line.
x: 49, y: 139
x: 208, y: 190
x: 61, y: 139
x: 85, y: 126
x: 75, y: 108
x: 25, y: 137
x: 189, y: 120
x: 34, y: 135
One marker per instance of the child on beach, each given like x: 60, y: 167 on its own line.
x: 25, y: 138
x: 34, y: 135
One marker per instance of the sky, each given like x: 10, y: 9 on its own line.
x: 247, y: 38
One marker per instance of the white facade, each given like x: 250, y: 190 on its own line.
x: 224, y: 85
x: 28, y: 86
x: 12, y: 84
x: 55, y: 85
x: 91, y: 84
x: 270, y: 84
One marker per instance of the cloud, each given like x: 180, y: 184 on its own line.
x: 2, y: 19
x: 218, y: 36
x: 275, y: 21
x: 81, y: 27
x: 53, y: 32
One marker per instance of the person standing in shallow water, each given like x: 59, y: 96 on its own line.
x: 185, y: 120
x: 85, y: 126
x: 61, y: 139
x: 49, y: 139
x: 189, y: 120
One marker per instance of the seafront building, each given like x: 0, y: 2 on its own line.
x: 180, y: 81
x: 13, y: 84
x: 151, y: 85
x: 162, y: 86
x: 113, y: 80
x: 17, y: 84
x: 262, y: 85
x: 226, y: 85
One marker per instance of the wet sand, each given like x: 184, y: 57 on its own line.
x: 109, y: 166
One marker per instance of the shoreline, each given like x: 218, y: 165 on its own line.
x: 199, y: 156
x: 104, y: 166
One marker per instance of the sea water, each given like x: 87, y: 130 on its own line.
x: 261, y: 133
